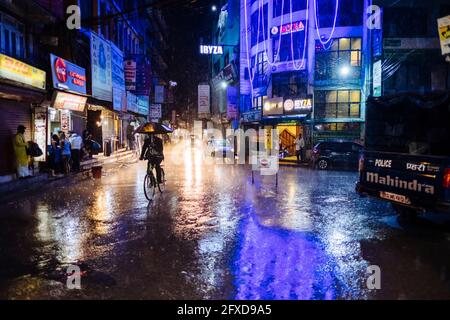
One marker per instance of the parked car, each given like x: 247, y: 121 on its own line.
x: 407, y: 156
x: 332, y: 154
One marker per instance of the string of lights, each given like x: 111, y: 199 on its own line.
x: 317, y: 23
x: 302, y: 63
x: 273, y: 62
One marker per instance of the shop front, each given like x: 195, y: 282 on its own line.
x: 22, y: 88
x: 67, y: 110
x: 290, y: 117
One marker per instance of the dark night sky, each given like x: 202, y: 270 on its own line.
x: 188, y: 21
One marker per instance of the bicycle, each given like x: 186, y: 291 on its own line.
x: 150, y: 183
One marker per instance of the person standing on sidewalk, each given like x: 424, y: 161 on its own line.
x: 300, y: 148
x: 20, y: 150
x: 65, y: 153
x: 75, y: 143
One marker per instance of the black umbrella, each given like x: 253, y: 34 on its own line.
x: 153, y: 128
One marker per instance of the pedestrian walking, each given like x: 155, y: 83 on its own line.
x: 20, y: 151
x: 300, y: 148
x: 76, y: 143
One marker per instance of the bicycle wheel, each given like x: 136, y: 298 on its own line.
x: 162, y: 185
x: 149, y: 186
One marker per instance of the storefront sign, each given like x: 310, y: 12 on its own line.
x: 444, y: 34
x: 18, y: 71
x: 118, y: 78
x: 40, y: 131
x: 203, y: 99
x: 251, y: 116
x: 232, y: 106
x: 68, y: 101
x: 130, y: 74
x: 143, y: 104
x: 288, y: 28
x: 101, y: 68
x: 297, y: 106
x: 289, y: 106
x: 67, y: 76
x: 132, y: 102
x: 377, y: 76
x: 159, y: 94
x: 215, y: 50
x: 155, y: 112
x: 273, y: 107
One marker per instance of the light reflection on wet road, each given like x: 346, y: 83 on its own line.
x: 214, y: 235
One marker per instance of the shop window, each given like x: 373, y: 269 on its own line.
x: 338, y: 104
x: 343, y: 52
x: 260, y: 63
x: 298, y: 40
x: 12, y: 37
x: 258, y: 102
x: 339, y: 126
x: 289, y: 84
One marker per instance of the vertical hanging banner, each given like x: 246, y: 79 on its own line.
x: 159, y: 94
x: 155, y: 112
x: 130, y: 74
x: 232, y: 106
x: 101, y: 68
x: 40, y: 131
x: 118, y: 78
x: 203, y: 99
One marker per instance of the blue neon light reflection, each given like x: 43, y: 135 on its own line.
x: 276, y: 264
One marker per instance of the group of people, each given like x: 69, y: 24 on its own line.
x: 64, y: 153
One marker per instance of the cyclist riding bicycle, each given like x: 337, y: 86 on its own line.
x: 153, y: 151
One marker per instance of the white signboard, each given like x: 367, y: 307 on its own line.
x: 40, y: 131
x: 444, y: 34
x: 159, y: 94
x: 203, y: 99
x: 101, y: 68
x: 155, y: 111
x: 377, y: 74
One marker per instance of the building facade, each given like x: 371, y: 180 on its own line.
x: 407, y: 57
x: 304, y: 68
x: 225, y: 67
x: 57, y: 79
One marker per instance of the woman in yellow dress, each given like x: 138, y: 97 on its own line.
x: 20, y: 150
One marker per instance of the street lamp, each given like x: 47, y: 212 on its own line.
x: 345, y: 71
x: 213, y: 8
x: 224, y: 85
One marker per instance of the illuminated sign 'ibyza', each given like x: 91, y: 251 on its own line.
x: 205, y: 49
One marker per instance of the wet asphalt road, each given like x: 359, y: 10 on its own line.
x: 214, y: 235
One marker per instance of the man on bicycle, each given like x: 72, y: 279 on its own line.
x: 153, y: 152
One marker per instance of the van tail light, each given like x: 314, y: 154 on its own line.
x: 361, y: 163
x: 446, y: 181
